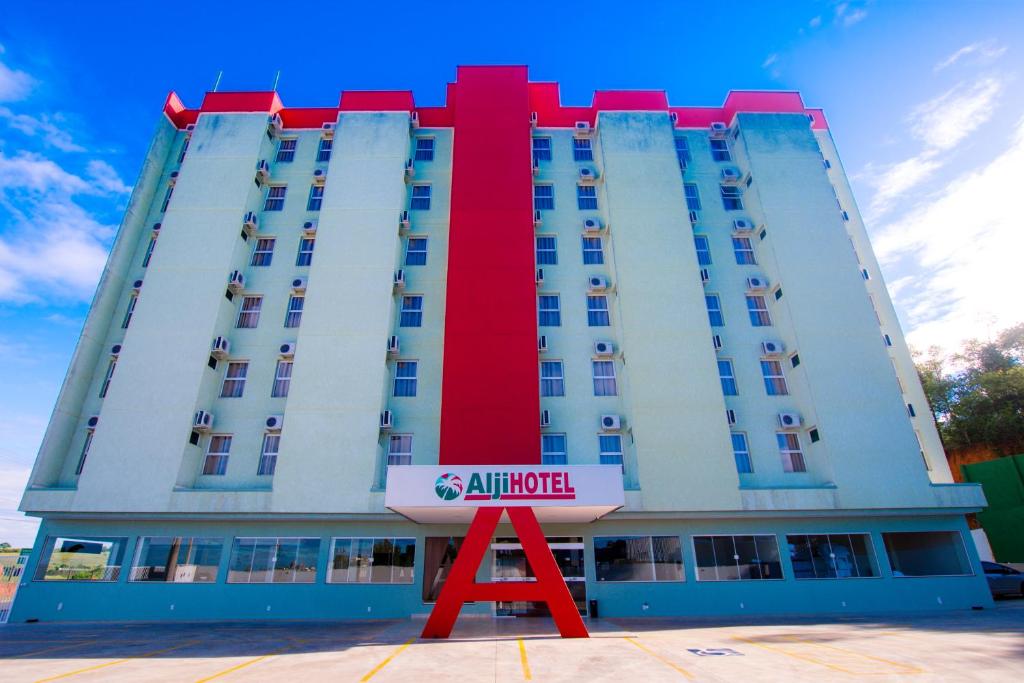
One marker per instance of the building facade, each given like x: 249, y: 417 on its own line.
x: 300, y: 298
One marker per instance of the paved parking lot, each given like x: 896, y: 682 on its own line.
x: 957, y: 646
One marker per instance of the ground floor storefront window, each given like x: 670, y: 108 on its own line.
x: 926, y: 553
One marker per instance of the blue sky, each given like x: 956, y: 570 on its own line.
x: 925, y: 101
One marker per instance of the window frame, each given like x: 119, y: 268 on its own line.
x: 743, y: 250
x: 775, y: 383
x: 653, y: 564
x: 586, y: 197
x: 720, y: 151
x: 604, y: 379
x: 215, y: 464
x: 708, y: 296
x: 267, y: 465
x: 253, y: 313
x: 876, y: 565
x: 712, y: 535
x: 745, y: 451
x: 596, y: 315
x: 732, y: 197
x: 604, y: 455
x: 304, y: 257
x: 786, y: 453
x: 324, y: 149
x: 409, y: 251
x: 692, y: 202
x: 420, y: 196
x: 703, y: 251
x: 394, y: 454
x: 329, y: 579
x: 315, y: 201
x: 542, y: 202
x: 274, y: 202
x: 286, y: 155
x: 548, y: 254
x: 552, y: 313
x: 759, y: 316
x: 564, y: 452
x: 730, y: 378
x: 282, y: 381
x: 540, y: 152
x: 410, y: 316
x: 424, y: 153
x: 591, y: 251
x: 556, y: 382
x: 409, y: 383
x: 236, y: 381
x: 582, y: 149
x: 263, y: 252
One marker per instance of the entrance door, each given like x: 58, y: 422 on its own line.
x: 508, y: 563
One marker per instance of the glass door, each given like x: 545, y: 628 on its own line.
x: 508, y: 563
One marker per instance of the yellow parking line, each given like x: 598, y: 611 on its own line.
x: 524, y: 661
x: 794, y: 656
x: 387, y: 660
x: 116, y: 661
x: 910, y: 668
x: 661, y: 659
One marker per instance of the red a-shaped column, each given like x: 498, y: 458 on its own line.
x: 461, y: 586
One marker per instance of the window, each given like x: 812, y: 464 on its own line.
x: 586, y: 197
x: 268, y: 455
x: 305, y: 256
x: 789, y: 449
x: 107, y: 377
x: 275, y: 198
x: 541, y: 149
x: 758, y: 310
x: 727, y: 377
x: 582, y: 150
x: 167, y: 199
x: 273, y: 560
x: 597, y: 311
x: 692, y: 196
x: 683, y: 152
x: 737, y: 558
x: 416, y: 251
x: 85, y: 451
x: 323, y: 152
x: 552, y: 378
x: 610, y: 447
x: 424, y: 149
x: 293, y: 317
x: 372, y: 560
x: 638, y: 558
x: 316, y: 198
x: 926, y: 553
x: 405, y: 378
x: 420, y: 198
x: 593, y: 252
x: 217, y: 453
x: 263, y: 252
x: 66, y: 558
x: 149, y: 252
x: 131, y: 310
x: 184, y: 149
x: 177, y: 559
x: 543, y: 197
x: 741, y: 453
x: 249, y: 314
x: 282, y: 379
x: 604, y: 378
x: 547, y: 251
x: 286, y: 150
x: 731, y: 199
x: 400, y: 449
x: 438, y: 558
x: 720, y: 150
x: 234, y: 379
x: 412, y: 311
x: 744, y: 250
x: 548, y: 313
x: 553, y: 450
x: 714, y: 306
x: 703, y: 250
x: 774, y: 381
x: 831, y: 556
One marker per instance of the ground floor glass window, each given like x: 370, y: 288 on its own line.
x: 638, y: 558
x: 737, y: 558
x: 274, y: 560
x: 831, y: 556
x: 926, y: 553
x: 372, y: 560
x: 66, y: 558
x: 438, y: 556
x: 176, y: 559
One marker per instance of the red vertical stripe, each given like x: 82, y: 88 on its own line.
x: 490, y: 396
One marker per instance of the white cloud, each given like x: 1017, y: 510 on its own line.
x: 771, y: 59
x: 942, y: 122
x: 53, y: 130
x: 854, y: 17
x: 35, y: 173
x: 105, y: 177
x: 14, y: 85
x: 15, y: 528
x: 962, y: 245
x: 815, y: 22
x: 846, y: 16
x: 984, y: 51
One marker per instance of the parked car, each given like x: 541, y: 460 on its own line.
x: 1003, y: 580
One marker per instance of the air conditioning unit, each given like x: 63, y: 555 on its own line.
x: 319, y: 177
x: 583, y: 128
x: 274, y: 423
x: 545, y: 418
x: 789, y: 420
x: 587, y: 175
x: 274, y: 124
x: 542, y: 343
x: 299, y: 284
x: 156, y: 227
x: 592, y: 226
x: 533, y: 119
x: 399, y: 279
x: 414, y: 119
x: 536, y: 219
x: 386, y: 420
x: 730, y: 416
x: 730, y: 176
x: 673, y: 117
x: 716, y: 341
x: 597, y: 283
x: 757, y: 283
x: 202, y: 421
x: 705, y: 276
x: 772, y: 347
x: 115, y: 350
x: 173, y: 179
x: 693, y: 218
x: 263, y: 171
x: 718, y: 130
x: 92, y: 422
x: 611, y: 423
x: 603, y: 347
x: 236, y: 281
x: 394, y: 348
x: 410, y: 169
x: 540, y: 277
x: 286, y: 350
x: 309, y: 228
x: 250, y: 222
x: 220, y: 348
x: 327, y: 130
x: 190, y: 128
x: 742, y: 226
x: 536, y: 167
x: 136, y: 285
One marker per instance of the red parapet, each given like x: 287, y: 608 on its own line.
x: 376, y: 100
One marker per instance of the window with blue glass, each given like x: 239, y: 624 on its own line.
x: 548, y: 311
x: 593, y: 253
x: 720, y: 150
x: 597, y: 311
x: 732, y: 200
x: 610, y: 449
x: 586, y: 197
x: 543, y: 197
x: 682, y: 150
x: 553, y: 450
x: 541, y: 149
x: 744, y: 250
x: 420, y: 198
x: 692, y: 196
x: 703, y: 250
x: 552, y: 378
x: 416, y: 251
x: 582, y: 150
x: 286, y: 150
x: 412, y: 311
x: 714, y: 306
x: 424, y: 149
x: 275, y: 198
x: 727, y: 377
x: 323, y: 152
x: 547, y: 250
x: 305, y: 256
x: 316, y: 198
x: 405, y: 378
x: 741, y: 453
